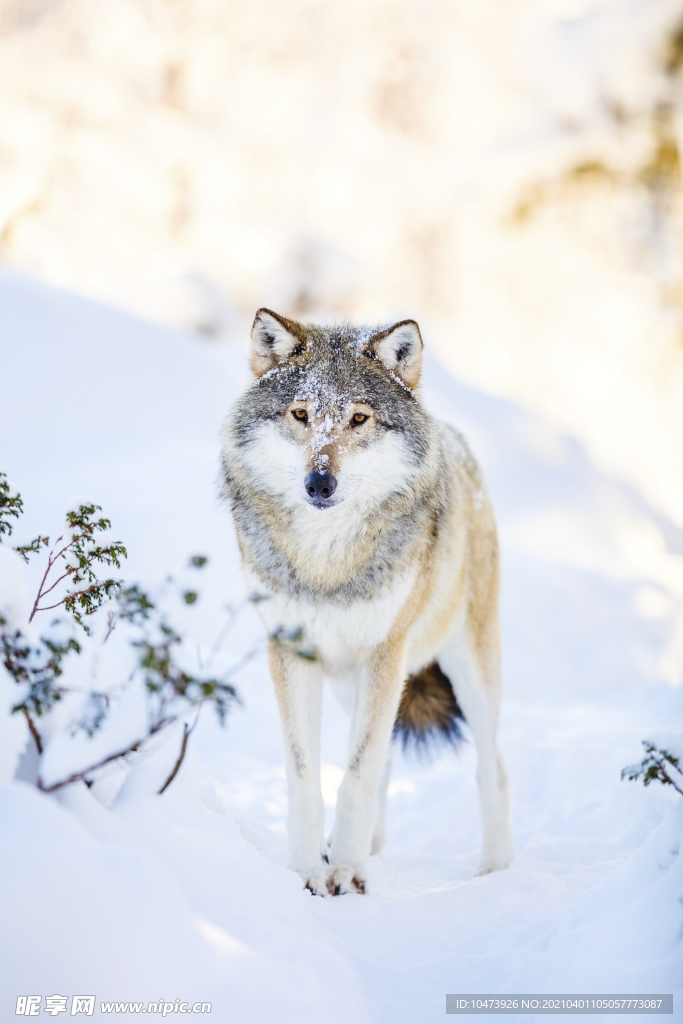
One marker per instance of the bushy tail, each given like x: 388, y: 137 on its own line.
x: 428, y: 709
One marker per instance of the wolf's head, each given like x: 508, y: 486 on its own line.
x: 332, y: 418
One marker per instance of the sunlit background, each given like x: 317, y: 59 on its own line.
x: 506, y: 171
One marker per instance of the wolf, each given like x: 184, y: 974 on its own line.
x: 367, y: 525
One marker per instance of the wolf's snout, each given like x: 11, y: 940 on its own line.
x: 320, y: 486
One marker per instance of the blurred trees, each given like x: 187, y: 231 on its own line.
x: 508, y: 172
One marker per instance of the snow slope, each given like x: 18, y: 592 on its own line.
x: 134, y: 896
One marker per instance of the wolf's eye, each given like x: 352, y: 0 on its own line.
x: 301, y: 415
x: 358, y: 418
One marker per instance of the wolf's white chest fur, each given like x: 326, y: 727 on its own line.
x: 343, y: 636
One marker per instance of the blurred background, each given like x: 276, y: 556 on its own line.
x: 506, y: 171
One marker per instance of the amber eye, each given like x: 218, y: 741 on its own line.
x: 358, y: 418
x: 301, y: 415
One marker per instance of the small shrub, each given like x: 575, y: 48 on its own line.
x: 71, y: 582
x: 658, y: 765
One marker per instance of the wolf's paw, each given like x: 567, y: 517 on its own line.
x: 316, y: 885
x: 494, y: 862
x: 314, y: 879
x: 343, y: 880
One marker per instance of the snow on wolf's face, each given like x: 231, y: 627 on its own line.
x: 320, y: 458
x: 328, y: 424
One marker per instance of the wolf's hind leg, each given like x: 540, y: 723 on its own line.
x: 298, y: 688
x: 476, y: 681
x: 378, y: 834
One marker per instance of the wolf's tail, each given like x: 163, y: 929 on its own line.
x: 428, y: 709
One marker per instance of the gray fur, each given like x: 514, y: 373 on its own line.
x: 335, y: 366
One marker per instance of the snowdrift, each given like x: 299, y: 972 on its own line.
x: 132, y: 896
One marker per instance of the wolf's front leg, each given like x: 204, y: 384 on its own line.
x: 377, y: 698
x: 298, y: 688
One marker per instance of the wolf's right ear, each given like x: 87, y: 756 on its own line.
x: 400, y: 349
x: 273, y: 340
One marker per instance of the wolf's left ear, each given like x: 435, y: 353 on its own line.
x: 400, y: 349
x: 273, y: 339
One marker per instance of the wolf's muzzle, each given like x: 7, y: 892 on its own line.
x: 320, y: 487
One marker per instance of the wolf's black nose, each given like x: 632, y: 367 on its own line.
x: 320, y: 486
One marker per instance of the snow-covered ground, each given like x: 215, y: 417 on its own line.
x: 139, y: 897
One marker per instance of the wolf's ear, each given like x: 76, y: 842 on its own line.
x: 273, y: 339
x: 400, y: 349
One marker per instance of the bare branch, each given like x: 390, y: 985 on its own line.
x: 59, y: 579
x: 255, y: 652
x: 81, y: 776
x: 111, y: 624
x: 51, y: 559
x: 34, y: 732
x: 181, y: 757
x: 233, y: 615
x: 40, y: 588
